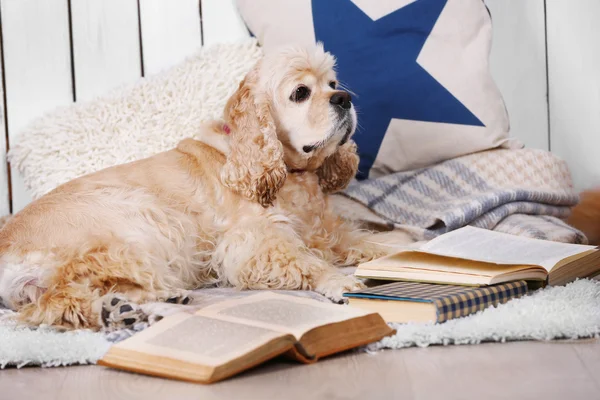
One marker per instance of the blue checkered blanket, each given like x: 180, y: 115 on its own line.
x: 525, y: 192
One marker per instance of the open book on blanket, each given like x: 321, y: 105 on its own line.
x: 226, y: 338
x: 473, y: 256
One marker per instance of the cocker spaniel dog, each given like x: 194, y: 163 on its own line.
x: 246, y: 205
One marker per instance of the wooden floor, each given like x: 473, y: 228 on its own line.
x: 524, y: 370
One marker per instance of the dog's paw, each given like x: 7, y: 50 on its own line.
x: 183, y: 297
x: 119, y: 313
x: 180, y: 298
x: 334, y: 286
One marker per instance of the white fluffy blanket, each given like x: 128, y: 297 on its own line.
x: 132, y: 122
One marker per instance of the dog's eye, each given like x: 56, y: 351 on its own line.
x: 332, y: 84
x: 300, y: 94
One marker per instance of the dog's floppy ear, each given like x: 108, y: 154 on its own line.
x: 339, y: 168
x: 255, y: 167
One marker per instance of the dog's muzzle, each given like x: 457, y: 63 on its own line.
x: 341, y: 99
x: 342, y: 103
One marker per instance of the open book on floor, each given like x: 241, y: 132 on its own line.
x: 226, y: 338
x: 473, y: 256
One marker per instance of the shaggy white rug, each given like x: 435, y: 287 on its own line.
x: 561, y: 312
x: 570, y: 312
x: 132, y: 122
x: 44, y: 346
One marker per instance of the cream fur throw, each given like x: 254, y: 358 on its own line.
x: 133, y: 122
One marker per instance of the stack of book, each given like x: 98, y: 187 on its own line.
x: 467, y: 270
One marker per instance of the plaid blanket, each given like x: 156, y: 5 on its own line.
x: 524, y: 192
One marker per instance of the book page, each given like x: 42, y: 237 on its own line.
x: 285, y: 314
x: 419, y: 262
x: 501, y: 248
x: 199, y: 339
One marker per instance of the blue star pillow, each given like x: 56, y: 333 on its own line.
x: 419, y: 69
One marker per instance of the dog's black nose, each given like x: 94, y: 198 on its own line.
x: 342, y: 99
x: 308, y: 149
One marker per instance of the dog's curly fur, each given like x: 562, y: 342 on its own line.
x: 255, y: 166
x: 248, y: 209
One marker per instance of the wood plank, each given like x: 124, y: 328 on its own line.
x: 518, y: 65
x: 4, y: 181
x: 222, y: 23
x: 171, y: 31
x: 520, y: 370
x: 523, y: 370
x: 574, y: 86
x: 106, y: 46
x: 37, y: 65
x: 590, y: 358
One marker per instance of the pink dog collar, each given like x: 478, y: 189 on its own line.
x: 227, y: 129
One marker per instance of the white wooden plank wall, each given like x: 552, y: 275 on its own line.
x: 37, y: 67
x: 56, y: 51
x: 171, y: 31
x: 106, y: 45
x: 518, y: 65
x: 4, y: 177
x: 574, y: 86
x: 221, y: 22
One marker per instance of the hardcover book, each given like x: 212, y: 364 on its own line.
x: 226, y: 338
x: 476, y: 257
x: 424, y: 302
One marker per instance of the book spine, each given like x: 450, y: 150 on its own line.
x: 463, y: 304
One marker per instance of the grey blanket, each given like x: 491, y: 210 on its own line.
x: 525, y: 192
